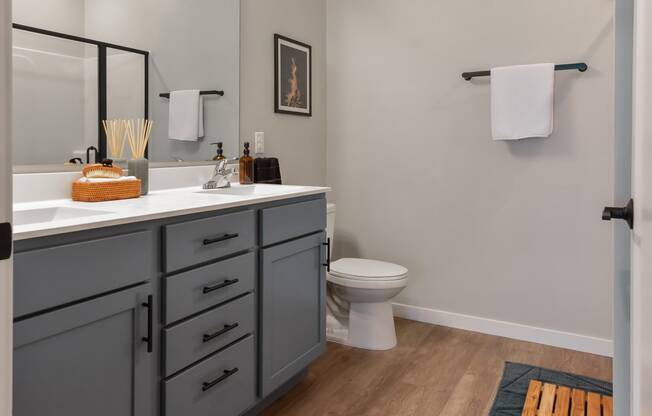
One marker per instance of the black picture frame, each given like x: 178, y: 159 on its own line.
x: 292, y: 77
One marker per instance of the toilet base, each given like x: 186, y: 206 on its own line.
x: 370, y: 326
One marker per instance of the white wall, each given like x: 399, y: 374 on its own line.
x: 299, y: 142
x: 506, y: 231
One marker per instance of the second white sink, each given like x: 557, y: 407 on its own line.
x: 41, y: 215
x: 252, y: 190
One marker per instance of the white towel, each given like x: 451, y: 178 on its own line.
x: 186, y: 115
x: 522, y: 100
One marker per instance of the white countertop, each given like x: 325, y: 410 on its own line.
x: 155, y: 205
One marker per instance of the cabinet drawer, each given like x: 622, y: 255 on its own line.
x: 193, y: 291
x: 195, y: 242
x: 80, y: 270
x: 194, y: 339
x: 289, y: 221
x: 225, y: 384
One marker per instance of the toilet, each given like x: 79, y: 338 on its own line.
x: 359, y: 294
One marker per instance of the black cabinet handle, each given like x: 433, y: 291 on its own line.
x: 210, y: 384
x: 328, y: 255
x: 150, y: 323
x: 209, y: 289
x: 227, y: 328
x: 625, y: 213
x: 225, y: 237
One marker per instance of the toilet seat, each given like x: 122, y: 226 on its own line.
x: 367, y: 270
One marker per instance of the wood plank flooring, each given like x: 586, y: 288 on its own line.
x: 434, y: 370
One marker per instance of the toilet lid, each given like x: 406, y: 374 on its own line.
x: 364, y: 269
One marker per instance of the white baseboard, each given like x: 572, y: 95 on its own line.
x: 593, y: 345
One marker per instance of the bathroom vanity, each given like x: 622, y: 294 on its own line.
x: 180, y: 303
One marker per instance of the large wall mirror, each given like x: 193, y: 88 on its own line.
x: 77, y: 62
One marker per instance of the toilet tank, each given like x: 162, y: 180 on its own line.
x: 330, y: 223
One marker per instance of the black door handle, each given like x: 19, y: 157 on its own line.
x: 6, y: 240
x: 328, y: 255
x: 625, y: 213
x: 149, y: 339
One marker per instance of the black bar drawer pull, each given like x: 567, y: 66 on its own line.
x: 225, y: 237
x: 227, y: 328
x: 150, y: 323
x: 226, y: 283
x: 328, y: 255
x: 210, y: 384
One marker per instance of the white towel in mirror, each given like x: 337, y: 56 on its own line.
x: 186, y: 116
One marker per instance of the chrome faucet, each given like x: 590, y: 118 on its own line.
x: 220, y: 177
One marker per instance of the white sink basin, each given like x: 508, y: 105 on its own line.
x: 41, y: 215
x: 252, y: 190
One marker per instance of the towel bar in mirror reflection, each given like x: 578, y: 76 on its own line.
x: 209, y: 92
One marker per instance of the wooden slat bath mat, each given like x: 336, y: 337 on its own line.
x: 552, y: 400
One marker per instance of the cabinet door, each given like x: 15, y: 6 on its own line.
x: 293, y: 290
x: 87, y: 359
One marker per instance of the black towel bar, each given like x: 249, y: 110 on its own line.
x: 211, y: 92
x: 581, y: 66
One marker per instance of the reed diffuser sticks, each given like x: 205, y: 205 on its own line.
x: 115, y: 136
x: 138, y: 132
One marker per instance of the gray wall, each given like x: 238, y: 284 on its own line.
x: 508, y: 231
x: 299, y: 142
x: 193, y: 45
x: 623, y: 191
x: 47, y: 72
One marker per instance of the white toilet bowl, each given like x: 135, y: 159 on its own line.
x: 359, y: 309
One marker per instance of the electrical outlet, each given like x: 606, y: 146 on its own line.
x: 259, y: 142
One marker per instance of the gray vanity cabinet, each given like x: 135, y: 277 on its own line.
x: 293, y: 289
x: 87, y: 359
x: 238, y: 313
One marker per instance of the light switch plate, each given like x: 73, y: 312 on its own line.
x: 259, y: 142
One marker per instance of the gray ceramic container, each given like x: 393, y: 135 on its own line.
x: 140, y: 169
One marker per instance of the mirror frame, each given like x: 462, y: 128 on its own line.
x: 101, y: 84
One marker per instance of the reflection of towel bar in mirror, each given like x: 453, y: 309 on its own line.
x: 582, y: 67
x: 212, y: 92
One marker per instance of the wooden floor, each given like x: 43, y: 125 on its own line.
x: 434, y: 370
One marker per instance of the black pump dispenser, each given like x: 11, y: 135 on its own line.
x: 220, y: 151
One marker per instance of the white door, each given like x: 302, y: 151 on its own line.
x: 641, y: 291
x: 6, y: 307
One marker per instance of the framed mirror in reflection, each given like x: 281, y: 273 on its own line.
x: 79, y: 62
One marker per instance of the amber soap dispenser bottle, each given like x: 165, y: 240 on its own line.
x: 246, y: 167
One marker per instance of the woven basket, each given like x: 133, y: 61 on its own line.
x: 105, y: 191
